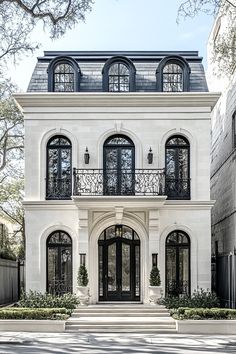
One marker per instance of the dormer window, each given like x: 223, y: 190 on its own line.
x: 63, y: 75
x: 118, y: 78
x: 172, y: 78
x: 64, y: 78
x: 173, y: 75
x: 119, y: 75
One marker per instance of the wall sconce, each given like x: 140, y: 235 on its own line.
x: 86, y: 156
x: 82, y: 259
x: 150, y: 156
x: 154, y: 259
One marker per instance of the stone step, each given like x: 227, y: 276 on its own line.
x: 124, y: 309
x: 121, y: 320
x: 120, y: 314
x: 132, y: 328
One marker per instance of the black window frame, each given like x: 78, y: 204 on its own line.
x: 119, y: 60
x: 186, y: 71
x: 58, y: 147
x: 51, y: 73
x: 177, y: 196
x: 58, y: 247
x: 177, y: 246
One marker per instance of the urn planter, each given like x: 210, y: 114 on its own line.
x: 83, y: 294
x: 155, y: 293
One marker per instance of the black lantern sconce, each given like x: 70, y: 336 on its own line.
x: 150, y: 156
x: 82, y: 259
x: 154, y: 259
x: 86, y: 156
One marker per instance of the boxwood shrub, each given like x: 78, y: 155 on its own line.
x: 34, y: 299
x: 200, y: 299
x: 17, y: 313
x: 184, y: 313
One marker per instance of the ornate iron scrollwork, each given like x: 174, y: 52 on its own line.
x: 130, y: 182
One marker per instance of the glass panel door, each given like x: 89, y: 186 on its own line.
x: 119, y: 264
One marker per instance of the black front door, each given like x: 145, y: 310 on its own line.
x: 119, y: 264
x: 119, y: 166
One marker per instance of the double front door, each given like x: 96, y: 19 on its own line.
x: 119, y: 265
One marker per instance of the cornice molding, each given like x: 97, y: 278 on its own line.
x: 107, y: 99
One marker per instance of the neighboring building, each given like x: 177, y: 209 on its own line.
x: 118, y: 172
x: 223, y: 170
x: 8, y: 228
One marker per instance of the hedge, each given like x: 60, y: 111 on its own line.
x: 34, y: 299
x: 17, y: 313
x: 185, y: 313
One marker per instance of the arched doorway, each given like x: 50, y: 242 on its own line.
x: 119, y: 264
x: 59, y: 263
x: 177, y: 263
x: 119, y: 165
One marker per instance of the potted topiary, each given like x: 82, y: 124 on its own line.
x: 155, y: 289
x: 82, y: 288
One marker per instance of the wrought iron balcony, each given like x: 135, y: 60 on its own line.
x: 59, y: 188
x: 99, y: 182
x: 95, y: 182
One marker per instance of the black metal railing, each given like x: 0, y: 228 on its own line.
x: 113, y: 182
x: 59, y: 188
x: 98, y: 182
x: 60, y: 287
x: 177, y: 188
x: 176, y: 288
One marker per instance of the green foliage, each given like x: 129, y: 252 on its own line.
x: 155, y: 279
x: 82, y: 278
x: 184, y: 313
x: 34, y: 299
x: 200, y: 299
x: 34, y: 314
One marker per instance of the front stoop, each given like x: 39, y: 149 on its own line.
x: 121, y: 318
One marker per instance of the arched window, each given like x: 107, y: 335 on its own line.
x: 119, y: 165
x: 63, y: 75
x: 177, y: 263
x: 172, y: 78
x: 177, y: 166
x: 58, y: 183
x: 119, y: 75
x: 173, y: 74
x: 59, y: 263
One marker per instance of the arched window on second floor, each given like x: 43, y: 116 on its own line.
x: 119, y: 75
x: 173, y: 75
x: 177, y: 166
x: 59, y: 157
x: 63, y: 75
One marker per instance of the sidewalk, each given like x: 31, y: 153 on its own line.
x: 65, y: 343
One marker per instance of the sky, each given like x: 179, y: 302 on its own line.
x: 123, y: 25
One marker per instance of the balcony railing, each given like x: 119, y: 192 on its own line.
x: 95, y: 182
x: 59, y: 188
x: 99, y: 182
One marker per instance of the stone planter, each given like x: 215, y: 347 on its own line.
x: 155, y: 293
x: 83, y: 294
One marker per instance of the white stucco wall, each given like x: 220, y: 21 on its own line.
x: 89, y: 123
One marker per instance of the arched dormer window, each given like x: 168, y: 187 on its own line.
x: 63, y: 75
x: 58, y: 181
x: 177, y: 166
x: 119, y: 75
x: 173, y: 75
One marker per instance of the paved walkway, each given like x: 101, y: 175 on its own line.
x: 64, y: 343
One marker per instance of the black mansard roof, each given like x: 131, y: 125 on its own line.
x: 91, y: 64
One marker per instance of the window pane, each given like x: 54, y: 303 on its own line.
x: 183, y: 271
x: 111, y: 276
x: 172, y: 78
x: 125, y: 267
x: 63, y: 78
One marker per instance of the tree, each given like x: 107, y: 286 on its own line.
x: 17, y: 20
x: 224, y: 46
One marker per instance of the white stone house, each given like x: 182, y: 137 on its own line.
x: 223, y: 167
x: 117, y: 149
